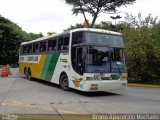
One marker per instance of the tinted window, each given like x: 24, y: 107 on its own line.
x: 66, y: 43
x: 105, y: 39
x: 35, y: 47
x: 29, y: 50
x: 77, y: 37
x: 63, y: 43
x: 52, y: 45
x: 24, y: 49
x: 43, y: 46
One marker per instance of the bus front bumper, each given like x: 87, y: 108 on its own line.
x: 106, y: 85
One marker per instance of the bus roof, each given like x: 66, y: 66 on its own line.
x: 96, y: 30
x: 70, y: 31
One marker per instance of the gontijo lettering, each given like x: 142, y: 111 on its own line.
x: 32, y: 58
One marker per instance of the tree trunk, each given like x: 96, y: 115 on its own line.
x: 84, y: 15
x: 94, y: 18
x: 85, y: 18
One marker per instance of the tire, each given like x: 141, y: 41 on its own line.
x: 29, y: 74
x: 26, y: 73
x: 64, y: 84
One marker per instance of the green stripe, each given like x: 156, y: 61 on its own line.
x: 49, y: 66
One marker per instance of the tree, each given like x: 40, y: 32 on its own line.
x: 78, y: 25
x: 142, y: 38
x: 11, y: 36
x: 51, y: 33
x: 34, y: 36
x: 95, y: 7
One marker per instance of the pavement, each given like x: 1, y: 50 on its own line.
x: 21, y: 96
x: 143, y: 85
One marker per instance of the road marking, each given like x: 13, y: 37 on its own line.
x: 68, y: 112
x: 21, y: 104
x: 42, y: 107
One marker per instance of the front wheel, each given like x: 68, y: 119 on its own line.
x: 64, y: 84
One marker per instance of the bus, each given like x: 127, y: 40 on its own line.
x: 86, y: 59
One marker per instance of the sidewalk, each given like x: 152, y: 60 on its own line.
x: 14, y: 71
x: 143, y: 85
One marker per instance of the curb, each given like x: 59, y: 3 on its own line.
x: 143, y: 85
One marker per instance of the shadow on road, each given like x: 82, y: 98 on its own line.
x: 94, y: 94
x: 46, y: 83
x: 87, y: 94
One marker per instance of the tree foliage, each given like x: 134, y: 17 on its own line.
x: 78, y: 25
x: 95, y: 7
x: 11, y: 36
x: 142, y: 38
x: 34, y: 36
x: 51, y: 33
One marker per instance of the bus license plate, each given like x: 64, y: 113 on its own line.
x: 94, y: 86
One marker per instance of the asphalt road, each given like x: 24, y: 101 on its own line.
x: 21, y: 96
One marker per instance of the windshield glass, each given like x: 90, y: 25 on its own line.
x: 105, y: 39
x: 104, y: 59
x: 95, y: 52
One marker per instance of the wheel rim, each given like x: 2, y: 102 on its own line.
x: 64, y: 83
x: 26, y: 74
x: 29, y: 74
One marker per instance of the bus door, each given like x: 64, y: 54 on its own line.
x: 80, y: 59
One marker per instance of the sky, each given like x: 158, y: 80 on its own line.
x: 55, y: 15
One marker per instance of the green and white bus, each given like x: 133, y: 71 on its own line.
x: 85, y: 59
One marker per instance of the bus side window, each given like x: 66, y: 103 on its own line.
x: 42, y: 46
x: 63, y: 43
x: 66, y: 43
x: 77, y: 37
x: 60, y: 43
x: 35, y: 48
x: 54, y: 44
x: 24, y: 49
x: 29, y: 50
x: 50, y: 45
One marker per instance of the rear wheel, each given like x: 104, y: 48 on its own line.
x: 26, y: 73
x: 64, y: 82
x: 29, y: 74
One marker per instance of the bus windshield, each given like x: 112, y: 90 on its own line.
x: 104, y: 59
x: 105, y: 39
x: 97, y: 38
x: 94, y: 52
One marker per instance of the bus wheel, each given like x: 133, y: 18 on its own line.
x: 64, y: 82
x: 26, y: 73
x: 29, y: 74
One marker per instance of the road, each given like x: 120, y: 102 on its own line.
x: 21, y: 96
